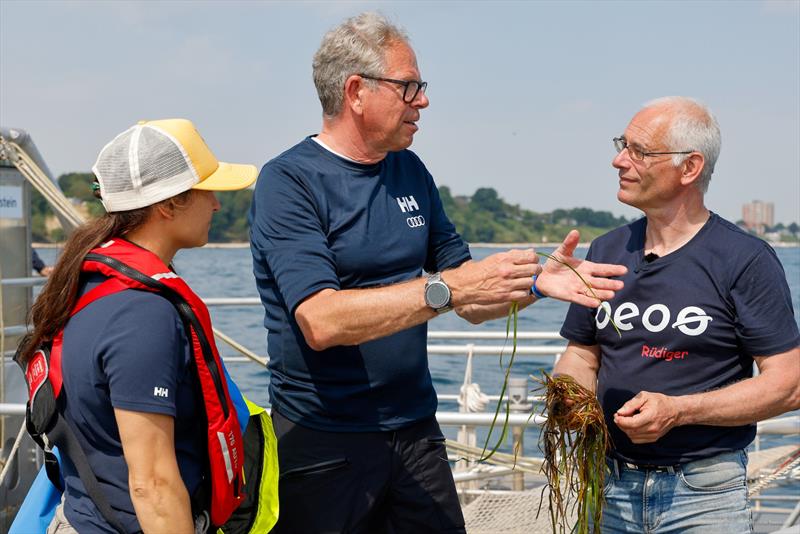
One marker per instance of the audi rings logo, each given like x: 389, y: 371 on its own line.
x: 415, y: 222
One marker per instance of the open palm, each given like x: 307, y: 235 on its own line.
x: 559, y: 281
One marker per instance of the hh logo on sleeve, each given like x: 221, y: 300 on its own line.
x: 160, y: 392
x: 407, y: 204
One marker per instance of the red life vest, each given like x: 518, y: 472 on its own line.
x: 129, y: 266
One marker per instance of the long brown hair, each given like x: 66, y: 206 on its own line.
x: 50, y: 312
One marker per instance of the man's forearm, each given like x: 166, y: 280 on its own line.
x: 581, y: 362
x: 354, y: 316
x: 769, y: 394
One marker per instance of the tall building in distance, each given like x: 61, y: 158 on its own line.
x: 758, y: 215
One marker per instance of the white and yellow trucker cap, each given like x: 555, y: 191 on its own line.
x: 156, y: 160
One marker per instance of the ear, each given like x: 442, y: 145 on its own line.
x: 166, y: 209
x: 692, y: 167
x: 354, y: 90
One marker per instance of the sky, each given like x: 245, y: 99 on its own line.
x: 525, y: 96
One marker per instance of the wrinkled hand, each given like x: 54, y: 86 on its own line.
x: 558, y: 280
x: 647, y: 416
x: 499, y: 278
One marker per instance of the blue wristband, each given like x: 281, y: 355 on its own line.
x: 535, y: 292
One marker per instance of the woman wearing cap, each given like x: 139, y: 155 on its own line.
x: 133, y: 392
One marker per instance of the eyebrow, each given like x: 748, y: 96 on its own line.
x: 634, y: 144
x: 638, y: 146
x: 408, y: 73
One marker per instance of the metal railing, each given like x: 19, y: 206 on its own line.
x: 778, y: 426
x: 24, y: 282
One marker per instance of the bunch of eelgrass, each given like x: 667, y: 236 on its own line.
x: 574, y: 441
x: 513, y: 315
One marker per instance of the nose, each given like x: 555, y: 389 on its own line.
x: 421, y: 101
x: 215, y: 205
x: 621, y: 160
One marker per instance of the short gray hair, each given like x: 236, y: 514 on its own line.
x: 356, y: 46
x: 692, y: 127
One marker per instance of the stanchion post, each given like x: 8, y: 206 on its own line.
x: 518, y: 403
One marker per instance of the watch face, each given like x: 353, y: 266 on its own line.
x: 437, y: 295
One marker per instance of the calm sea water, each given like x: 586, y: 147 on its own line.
x: 214, y: 272
x: 228, y: 273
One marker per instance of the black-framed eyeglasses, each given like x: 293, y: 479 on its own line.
x: 620, y: 143
x: 411, y: 88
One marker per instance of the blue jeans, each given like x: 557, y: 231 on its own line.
x: 700, y: 497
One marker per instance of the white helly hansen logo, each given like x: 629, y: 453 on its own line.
x: 407, y: 204
x: 160, y: 392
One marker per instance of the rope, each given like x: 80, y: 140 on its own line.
x: 34, y: 174
x: 470, y: 396
x: 792, y: 461
x: 241, y: 348
x: 12, y: 453
x: 524, y: 464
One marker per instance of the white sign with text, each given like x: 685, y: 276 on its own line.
x: 10, y: 202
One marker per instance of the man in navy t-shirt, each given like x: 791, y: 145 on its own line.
x: 702, y: 301
x: 342, y: 226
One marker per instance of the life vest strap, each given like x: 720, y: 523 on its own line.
x: 105, y: 288
x: 64, y: 438
x: 54, y: 373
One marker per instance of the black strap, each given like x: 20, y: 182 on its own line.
x: 63, y: 437
x: 53, y: 470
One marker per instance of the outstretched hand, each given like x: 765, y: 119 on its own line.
x: 560, y: 282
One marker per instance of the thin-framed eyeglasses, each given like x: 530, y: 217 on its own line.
x: 620, y: 143
x: 411, y: 88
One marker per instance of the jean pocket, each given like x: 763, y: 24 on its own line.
x: 315, y: 469
x: 722, y: 472
x: 608, y: 477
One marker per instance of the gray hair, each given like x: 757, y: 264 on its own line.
x: 692, y: 127
x: 356, y: 46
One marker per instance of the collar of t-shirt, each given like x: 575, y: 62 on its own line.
x: 332, y: 151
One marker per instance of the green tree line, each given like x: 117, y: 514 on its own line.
x: 483, y: 217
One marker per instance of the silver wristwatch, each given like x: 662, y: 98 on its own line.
x: 437, y: 294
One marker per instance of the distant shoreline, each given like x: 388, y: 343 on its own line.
x: 240, y: 244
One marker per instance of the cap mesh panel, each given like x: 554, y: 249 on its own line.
x: 113, y: 165
x: 159, y: 158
